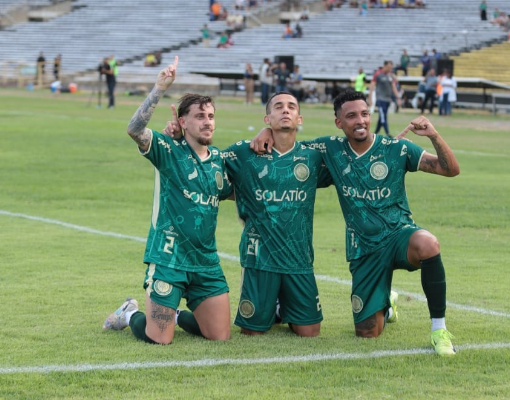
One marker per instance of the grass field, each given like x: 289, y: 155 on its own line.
x: 75, y: 205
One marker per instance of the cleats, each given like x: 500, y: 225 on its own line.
x: 393, y: 306
x: 441, y: 341
x: 117, y: 320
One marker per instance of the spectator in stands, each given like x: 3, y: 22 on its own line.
x: 430, y: 91
x: 287, y: 32
x: 150, y: 60
x: 222, y: 43
x: 384, y: 85
x: 281, y: 75
x: 230, y: 41
x: 363, y: 8
x: 436, y: 56
x: 294, y: 83
x: 298, y: 31
x: 448, y: 95
x: 56, y: 66
x: 249, y: 83
x: 206, y: 36
x: 158, y: 56
x: 266, y: 80
x: 305, y: 14
x: 483, y: 10
x: 239, y: 5
x: 359, y: 82
x: 218, y: 12
x: 425, y: 63
x: 404, y: 62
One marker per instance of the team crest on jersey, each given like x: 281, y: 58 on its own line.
x: 379, y: 170
x: 403, y: 151
x: 162, y: 288
x: 301, y: 172
x: 357, y: 304
x: 246, y: 308
x: 219, y: 179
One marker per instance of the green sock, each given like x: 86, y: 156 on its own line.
x: 433, y: 282
x: 137, y: 323
x: 187, y: 322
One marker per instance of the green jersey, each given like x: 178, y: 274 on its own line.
x: 370, y: 188
x: 187, y: 192
x: 275, y: 196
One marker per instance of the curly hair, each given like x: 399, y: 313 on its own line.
x: 344, y: 97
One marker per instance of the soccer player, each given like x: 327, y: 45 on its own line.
x: 275, y: 196
x: 368, y: 171
x: 190, y: 180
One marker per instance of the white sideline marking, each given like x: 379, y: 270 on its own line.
x: 211, y: 362
x: 230, y: 257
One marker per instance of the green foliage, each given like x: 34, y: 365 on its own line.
x: 62, y: 160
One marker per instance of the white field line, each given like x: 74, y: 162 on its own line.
x: 211, y: 362
x: 230, y: 257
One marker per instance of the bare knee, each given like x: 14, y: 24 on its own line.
x: 422, y: 245
x: 220, y: 335
x: 306, y: 330
x: 371, y: 327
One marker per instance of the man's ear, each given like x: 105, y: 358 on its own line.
x: 182, y: 122
x: 266, y: 119
x: 338, y: 123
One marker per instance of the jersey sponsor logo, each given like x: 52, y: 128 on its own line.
x: 166, y: 145
x: 246, y: 308
x: 403, y: 152
x: 219, y: 179
x: 193, y: 175
x: 372, y: 158
x: 201, y: 198
x: 347, y: 170
x: 301, y: 172
x: 318, y: 146
x: 253, y: 247
x: 215, y: 152
x: 357, y: 304
x: 379, y: 170
x: 229, y: 154
x: 373, y: 194
x: 162, y: 288
x: 298, y: 158
x: 286, y: 195
x: 264, y: 172
x: 214, y: 165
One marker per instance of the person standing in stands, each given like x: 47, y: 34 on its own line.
x: 249, y: 83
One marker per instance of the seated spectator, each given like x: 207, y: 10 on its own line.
x: 305, y: 14
x: 252, y: 4
x: 363, y: 8
x: 158, y: 57
x: 298, y: 31
x: 215, y: 11
x: 230, y: 41
x: 288, y: 32
x: 222, y: 43
x: 150, y: 60
x: 239, y: 5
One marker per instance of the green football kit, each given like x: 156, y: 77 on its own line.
x: 378, y: 221
x: 181, y: 241
x: 275, y: 196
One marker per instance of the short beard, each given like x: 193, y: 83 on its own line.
x: 204, y: 141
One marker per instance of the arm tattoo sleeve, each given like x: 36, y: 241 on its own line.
x: 136, y: 128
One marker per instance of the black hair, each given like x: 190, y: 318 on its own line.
x: 186, y: 101
x: 268, y: 104
x: 345, y: 96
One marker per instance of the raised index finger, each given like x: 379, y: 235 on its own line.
x: 176, y: 61
x: 174, y: 113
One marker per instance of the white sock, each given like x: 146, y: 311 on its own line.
x: 438, y: 323
x: 177, y: 312
x: 390, y: 312
x: 128, y: 315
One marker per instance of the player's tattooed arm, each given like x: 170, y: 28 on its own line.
x: 444, y: 163
x: 137, y: 127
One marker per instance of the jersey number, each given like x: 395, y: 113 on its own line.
x: 253, y: 247
x: 169, y: 245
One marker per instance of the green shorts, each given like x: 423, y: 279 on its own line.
x: 166, y: 286
x: 372, y: 275
x: 297, y: 293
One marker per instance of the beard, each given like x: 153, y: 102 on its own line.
x: 204, y: 141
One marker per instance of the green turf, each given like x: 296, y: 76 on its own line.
x: 63, y: 160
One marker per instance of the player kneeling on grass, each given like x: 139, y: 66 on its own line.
x: 368, y: 171
x: 190, y: 180
x: 275, y: 196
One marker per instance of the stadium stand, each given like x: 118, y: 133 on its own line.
x: 334, y: 45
